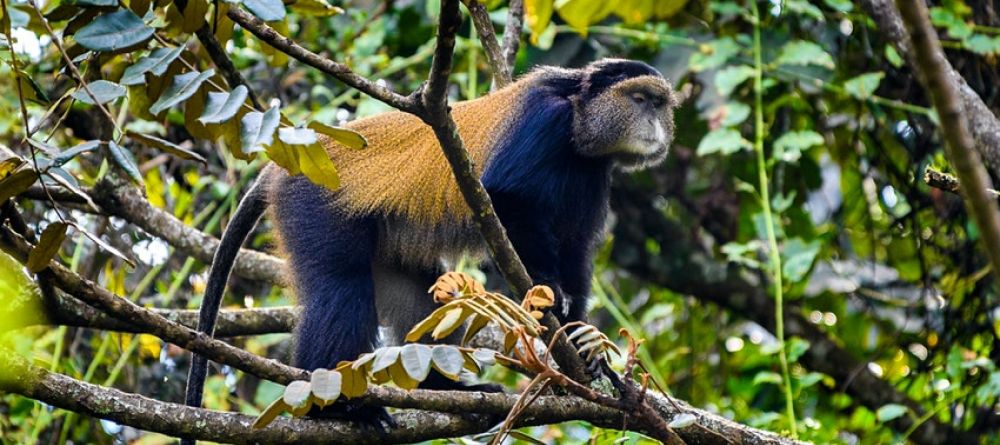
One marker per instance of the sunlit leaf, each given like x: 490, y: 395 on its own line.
x: 713, y: 54
x: 270, y: 413
x: 537, y: 15
x: 316, y: 8
x: 344, y: 136
x: 385, y: 357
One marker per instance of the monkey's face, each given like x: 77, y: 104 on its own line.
x: 632, y: 121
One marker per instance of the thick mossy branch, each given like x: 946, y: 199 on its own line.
x: 451, y: 420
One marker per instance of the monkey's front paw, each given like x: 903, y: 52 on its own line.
x: 374, y: 417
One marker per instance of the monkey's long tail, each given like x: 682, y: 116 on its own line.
x: 247, y: 213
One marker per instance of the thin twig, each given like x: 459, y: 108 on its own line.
x: 959, y: 145
x: 487, y: 36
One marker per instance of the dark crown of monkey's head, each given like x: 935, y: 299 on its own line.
x: 623, y: 109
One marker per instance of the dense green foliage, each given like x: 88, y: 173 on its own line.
x: 887, y: 266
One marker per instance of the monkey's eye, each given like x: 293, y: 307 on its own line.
x: 638, y: 98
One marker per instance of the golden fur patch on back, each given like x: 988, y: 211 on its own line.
x: 403, y: 171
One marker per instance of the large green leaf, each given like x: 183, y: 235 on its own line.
x: 113, y: 31
x: 347, y: 137
x: 804, y: 52
x: 723, y: 140
x: 156, y: 63
x: 124, y: 159
x: 102, y: 90
x: 183, y: 86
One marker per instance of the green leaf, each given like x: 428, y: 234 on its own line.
x: 804, y: 7
x: 723, y: 140
x: 863, y: 86
x: 166, y: 146
x: 316, y: 8
x: 47, y: 247
x: 315, y: 164
x: 789, y: 146
x: 981, y: 44
x: 735, y: 114
x: 447, y: 360
x: 182, y: 87
x: 796, y: 347
x: 730, y: 77
x: 840, y: 5
x: 890, y: 411
x: 580, y: 14
x: 344, y: 136
x: 537, y: 17
x: 114, y: 31
x: 957, y: 28
x: 221, y: 107
x: 767, y: 377
x: 123, y: 158
x: 266, y: 10
x: 803, y: 52
x: 16, y: 183
x: 416, y: 360
x: 156, y: 63
x: 103, y: 90
x: 713, y: 54
x: 257, y: 129
x: 71, y: 153
x: 893, y: 57
x: 799, y: 256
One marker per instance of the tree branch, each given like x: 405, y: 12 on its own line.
x: 178, y: 420
x: 984, y: 125
x: 934, y: 70
x: 512, y: 32
x: 128, y: 312
x: 338, y: 70
x: 64, y: 310
x: 435, y: 112
x: 121, y: 200
x: 487, y: 36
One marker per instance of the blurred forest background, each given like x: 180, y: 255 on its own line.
x: 892, y: 314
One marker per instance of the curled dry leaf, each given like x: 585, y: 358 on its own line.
x: 539, y: 297
x: 454, y: 284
